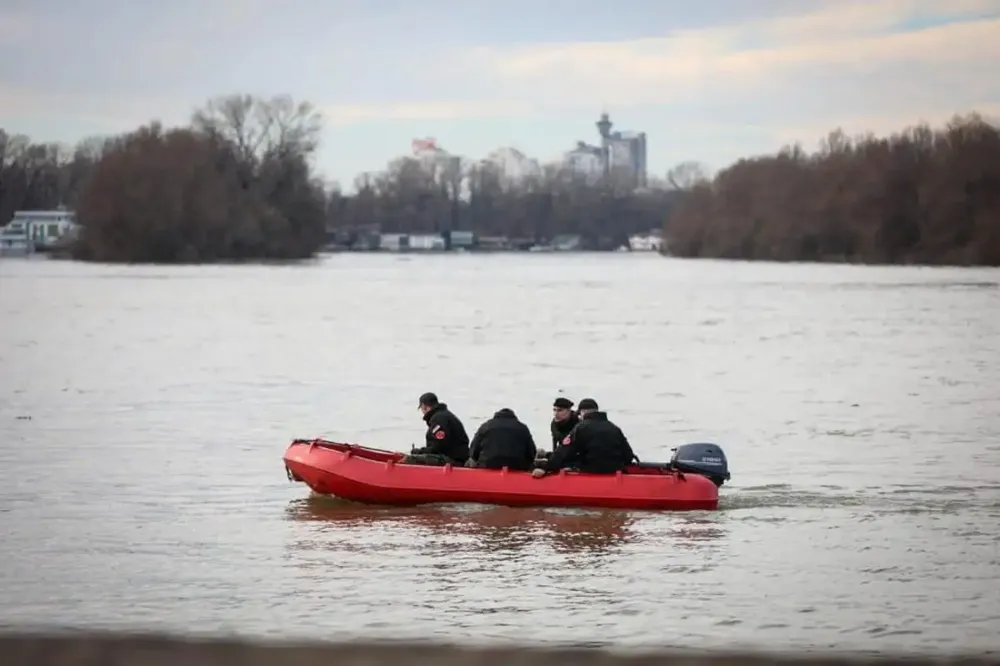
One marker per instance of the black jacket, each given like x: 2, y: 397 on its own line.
x: 596, y: 446
x: 562, y: 428
x: 503, y: 441
x: 445, y: 435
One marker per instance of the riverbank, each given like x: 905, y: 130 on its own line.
x: 67, y: 254
x: 161, y: 650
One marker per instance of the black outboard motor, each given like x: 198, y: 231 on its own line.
x: 703, y: 458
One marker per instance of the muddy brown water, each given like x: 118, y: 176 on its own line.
x: 144, y: 411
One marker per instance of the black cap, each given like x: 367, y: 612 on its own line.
x: 563, y: 403
x: 588, y: 403
x: 428, y: 399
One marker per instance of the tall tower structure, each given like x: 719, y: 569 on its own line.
x: 604, y: 129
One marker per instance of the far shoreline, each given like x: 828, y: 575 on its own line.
x: 468, y: 253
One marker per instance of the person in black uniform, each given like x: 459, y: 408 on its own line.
x: 446, y: 439
x: 503, y: 441
x: 595, y: 446
x: 564, y: 419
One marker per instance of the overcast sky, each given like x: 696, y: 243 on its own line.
x: 711, y: 80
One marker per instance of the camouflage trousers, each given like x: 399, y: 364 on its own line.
x: 430, y: 459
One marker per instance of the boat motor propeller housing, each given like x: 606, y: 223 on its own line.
x: 702, y: 458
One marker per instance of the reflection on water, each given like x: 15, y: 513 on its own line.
x: 490, y: 528
x: 695, y: 532
x: 562, y: 555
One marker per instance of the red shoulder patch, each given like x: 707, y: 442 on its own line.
x: 439, y: 434
x: 567, y: 439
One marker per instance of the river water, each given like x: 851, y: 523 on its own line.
x: 144, y: 412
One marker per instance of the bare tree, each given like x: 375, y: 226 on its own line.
x: 686, y: 175
x: 918, y: 195
x: 12, y: 147
x: 34, y: 175
x: 261, y: 129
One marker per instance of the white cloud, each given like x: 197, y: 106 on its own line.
x: 859, y: 43
x: 881, y: 124
x: 106, y: 113
x: 793, y: 78
x: 15, y: 28
x: 741, y: 59
x: 853, y: 18
x: 338, y: 114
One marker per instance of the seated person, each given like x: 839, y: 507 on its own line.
x: 446, y: 440
x: 595, y: 446
x: 503, y: 441
x: 564, y: 419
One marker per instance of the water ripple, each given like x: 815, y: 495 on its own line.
x: 143, y: 412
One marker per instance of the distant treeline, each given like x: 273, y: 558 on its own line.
x: 515, y: 197
x: 920, y: 196
x: 237, y: 183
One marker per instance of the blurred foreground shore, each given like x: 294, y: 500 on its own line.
x: 150, y: 650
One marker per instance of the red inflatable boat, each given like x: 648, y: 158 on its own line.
x: 375, y: 476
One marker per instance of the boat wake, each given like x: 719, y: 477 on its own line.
x: 899, y: 498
